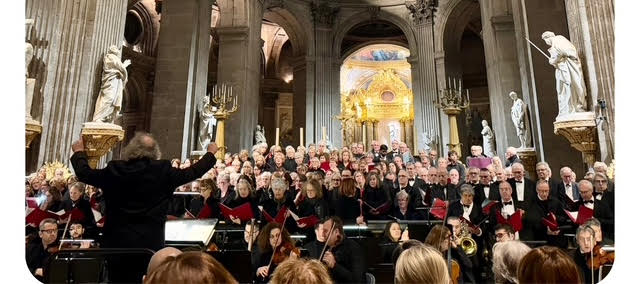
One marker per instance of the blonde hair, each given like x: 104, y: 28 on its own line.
x: 308, y: 271
x: 421, y: 264
x: 506, y: 258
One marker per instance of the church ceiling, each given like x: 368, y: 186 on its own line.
x: 362, y: 65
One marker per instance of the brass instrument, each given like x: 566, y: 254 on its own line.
x: 467, y: 243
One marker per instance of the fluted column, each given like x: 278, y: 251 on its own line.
x: 591, y: 28
x: 499, y: 39
x: 326, y: 98
x: 69, y: 39
x: 408, y: 134
x: 239, y: 64
x: 370, y: 137
x: 423, y: 74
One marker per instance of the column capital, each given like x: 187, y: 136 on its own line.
x: 323, y: 14
x: 422, y: 11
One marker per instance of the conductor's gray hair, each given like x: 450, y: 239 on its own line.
x: 141, y: 146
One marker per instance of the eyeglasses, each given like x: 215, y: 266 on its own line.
x: 402, y: 176
x: 50, y: 231
x: 600, y: 181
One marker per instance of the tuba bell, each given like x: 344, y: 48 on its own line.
x: 467, y: 243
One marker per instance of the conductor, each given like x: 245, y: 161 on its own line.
x: 137, y: 190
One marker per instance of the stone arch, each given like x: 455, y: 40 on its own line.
x: 358, y: 18
x: 299, y: 36
x: 451, y: 21
x: 150, y: 20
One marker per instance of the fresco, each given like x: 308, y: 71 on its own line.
x: 380, y: 54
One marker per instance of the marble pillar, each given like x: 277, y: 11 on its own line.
x: 239, y: 64
x: 181, y: 75
x: 370, y: 136
x: 424, y: 82
x: 499, y: 38
x: 591, y: 29
x: 69, y: 39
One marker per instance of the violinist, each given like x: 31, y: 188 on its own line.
x: 76, y: 233
x: 342, y: 256
x: 274, y: 246
x: 442, y: 238
x: 393, y: 236
x: 589, y: 256
x: 40, y: 249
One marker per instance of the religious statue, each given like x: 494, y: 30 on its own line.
x: 207, y: 122
x: 520, y: 118
x: 569, y: 79
x: 114, y: 78
x: 429, y: 140
x: 259, y: 136
x: 30, y: 82
x: 487, y: 139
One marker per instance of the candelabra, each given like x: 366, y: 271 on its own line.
x: 225, y: 100
x: 452, y: 102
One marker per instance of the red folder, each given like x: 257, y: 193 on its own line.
x: 37, y: 215
x: 550, y: 221
x: 205, y: 213
x: 515, y: 220
x: 487, y: 204
x: 280, y: 217
x: 243, y: 211
x: 31, y: 202
x: 584, y: 214
x: 438, y: 208
x: 76, y: 215
x: 310, y: 221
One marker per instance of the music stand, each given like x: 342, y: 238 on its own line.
x: 189, y: 232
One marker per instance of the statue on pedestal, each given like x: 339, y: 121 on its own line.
x: 29, y: 82
x: 569, y: 78
x: 487, y: 139
x: 429, y: 141
x: 259, y: 136
x: 520, y: 118
x: 207, y: 122
x: 114, y: 78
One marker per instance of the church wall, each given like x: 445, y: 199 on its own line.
x: 549, y: 15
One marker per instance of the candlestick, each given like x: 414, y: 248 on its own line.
x: 364, y: 134
x: 301, y: 136
x: 324, y: 133
x: 277, y: 136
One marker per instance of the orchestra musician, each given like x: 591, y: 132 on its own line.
x: 274, y: 246
x: 441, y: 238
x: 393, y: 236
x: 586, y: 239
x: 39, y: 250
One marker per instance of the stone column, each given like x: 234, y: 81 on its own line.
x: 300, y: 89
x: 499, y: 38
x: 591, y: 27
x: 408, y: 134
x: 423, y: 74
x: 326, y: 100
x: 239, y: 64
x: 69, y: 39
x: 181, y: 75
x: 376, y: 133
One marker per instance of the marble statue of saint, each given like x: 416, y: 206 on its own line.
x: 487, y: 139
x: 207, y: 122
x: 30, y: 82
x: 569, y: 79
x: 114, y: 78
x: 520, y: 118
x: 429, y: 140
x: 260, y: 138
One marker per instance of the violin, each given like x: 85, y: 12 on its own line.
x: 455, y: 271
x: 599, y: 257
x: 284, y: 251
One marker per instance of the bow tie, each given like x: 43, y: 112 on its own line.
x: 518, y: 181
x: 466, y: 206
x: 588, y: 201
x: 412, y: 179
x: 597, y: 193
x: 508, y: 203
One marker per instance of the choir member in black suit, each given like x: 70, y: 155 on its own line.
x: 403, y: 184
x: 473, y: 176
x: 538, y: 208
x: 602, y: 191
x: 483, y: 190
x: 524, y: 189
x: 424, y: 187
x: 506, y: 207
x: 375, y: 197
x: 544, y: 173
x: 443, y: 190
x: 601, y: 211
x: 567, y: 191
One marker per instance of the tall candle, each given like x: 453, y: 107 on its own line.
x: 364, y: 134
x: 277, y: 136
x: 301, y: 136
x: 324, y: 133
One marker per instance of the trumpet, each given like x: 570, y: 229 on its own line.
x: 467, y: 243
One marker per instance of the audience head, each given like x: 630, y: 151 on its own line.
x: 190, y: 267
x: 142, y: 146
x: 160, y: 256
x: 308, y: 271
x: 548, y: 264
x: 504, y: 232
x: 506, y: 258
x: 511, y: 151
x: 421, y: 264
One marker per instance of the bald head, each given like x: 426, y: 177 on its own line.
x: 160, y: 256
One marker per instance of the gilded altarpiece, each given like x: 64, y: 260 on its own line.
x: 383, y: 111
